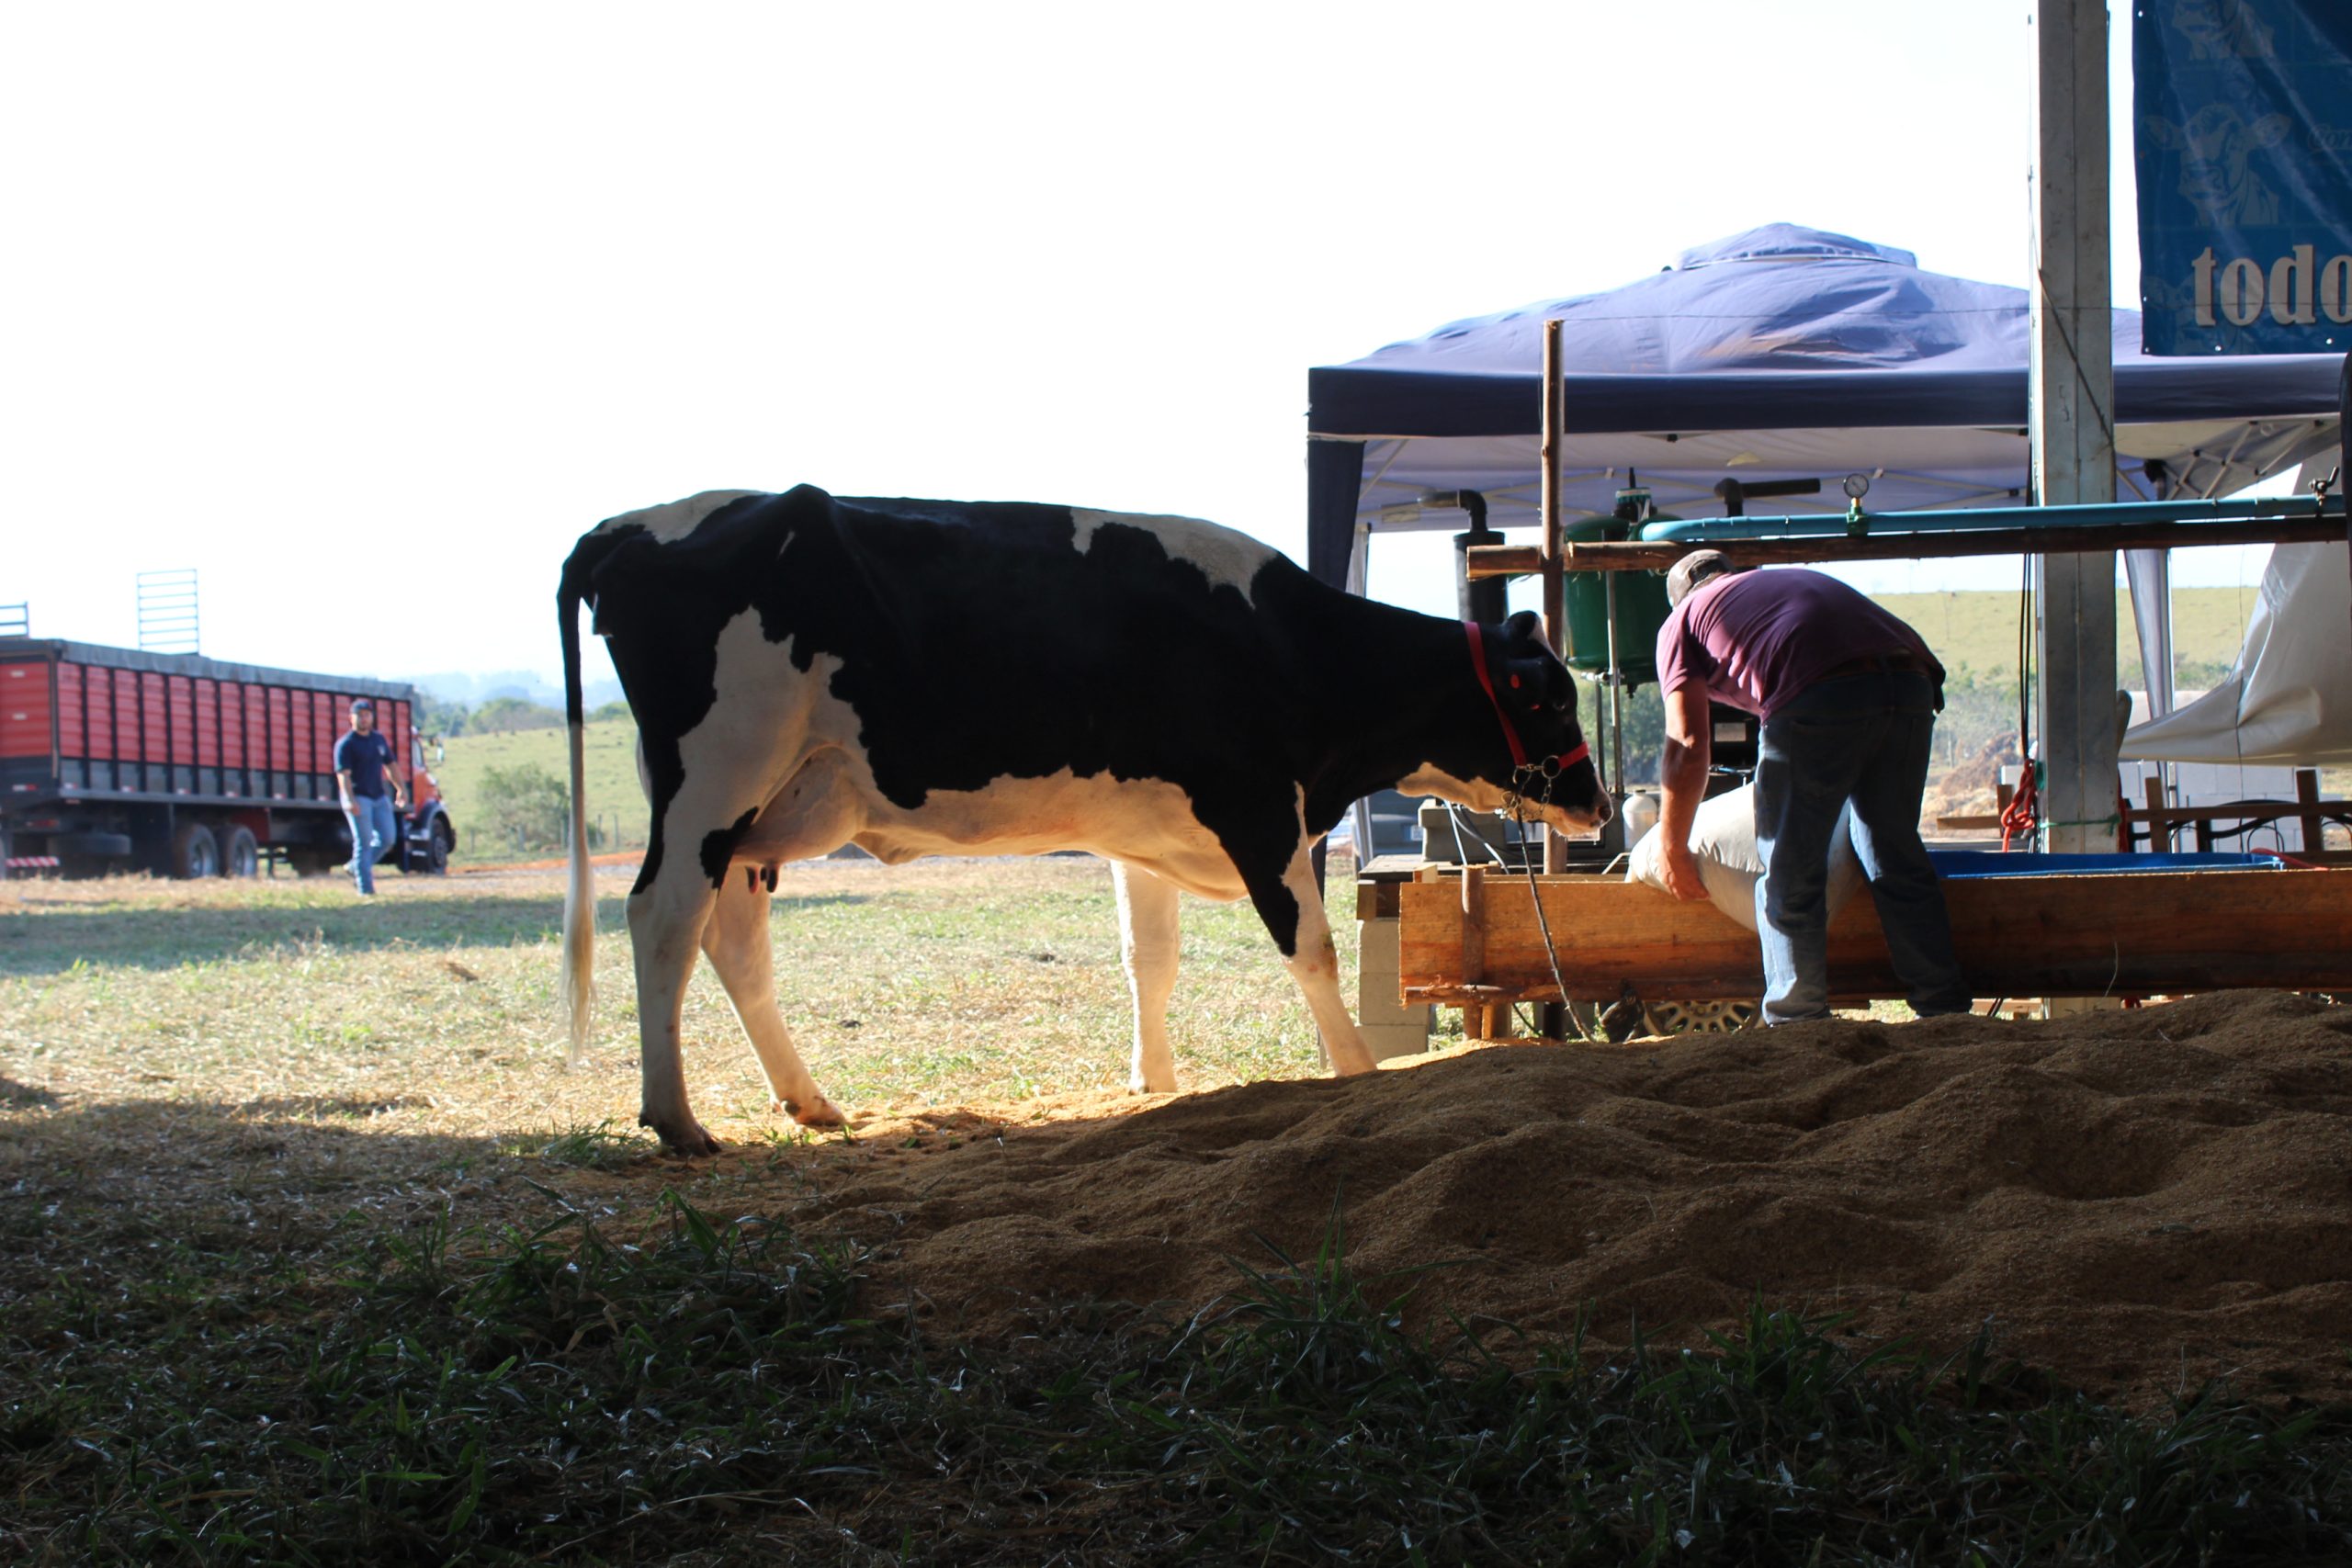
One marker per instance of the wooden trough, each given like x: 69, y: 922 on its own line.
x: 1477, y: 942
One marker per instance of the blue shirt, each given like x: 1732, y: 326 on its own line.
x: 365, y: 758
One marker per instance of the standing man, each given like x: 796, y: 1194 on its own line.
x: 1848, y: 696
x: 371, y: 793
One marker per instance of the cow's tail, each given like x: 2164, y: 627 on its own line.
x: 578, y: 981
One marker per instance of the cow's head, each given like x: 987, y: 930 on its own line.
x: 2221, y: 29
x: 1527, y: 754
x: 2214, y: 146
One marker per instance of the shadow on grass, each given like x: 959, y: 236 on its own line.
x: 156, y: 1157
x: 56, y: 938
x: 53, y: 939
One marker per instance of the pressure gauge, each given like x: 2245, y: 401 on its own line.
x: 1856, y: 486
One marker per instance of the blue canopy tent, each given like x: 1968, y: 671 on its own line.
x: 1783, y: 353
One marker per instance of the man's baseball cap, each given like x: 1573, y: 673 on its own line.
x: 1693, y: 570
x: 362, y: 704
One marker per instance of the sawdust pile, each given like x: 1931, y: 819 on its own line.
x: 2134, y: 1199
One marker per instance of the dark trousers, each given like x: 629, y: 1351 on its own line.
x: 1859, y: 739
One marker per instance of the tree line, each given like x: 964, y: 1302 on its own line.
x: 499, y: 716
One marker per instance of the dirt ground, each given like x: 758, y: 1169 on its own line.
x: 2135, y: 1200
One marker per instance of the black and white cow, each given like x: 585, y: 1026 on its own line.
x: 932, y: 676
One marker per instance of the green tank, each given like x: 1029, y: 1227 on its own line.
x: 1640, y: 598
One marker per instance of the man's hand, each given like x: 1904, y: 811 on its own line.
x: 1682, y: 878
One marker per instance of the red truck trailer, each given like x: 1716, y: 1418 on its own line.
x: 112, y: 758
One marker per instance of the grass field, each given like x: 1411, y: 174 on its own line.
x: 314, y: 1253
x: 1978, y: 631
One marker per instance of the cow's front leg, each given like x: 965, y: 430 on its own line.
x: 665, y: 924
x: 1292, y: 906
x: 736, y: 938
x: 1149, y: 949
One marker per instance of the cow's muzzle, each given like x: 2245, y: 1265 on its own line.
x: 1536, y: 785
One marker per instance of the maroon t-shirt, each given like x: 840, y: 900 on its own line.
x: 1757, y: 638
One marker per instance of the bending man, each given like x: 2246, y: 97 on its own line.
x: 1848, y: 696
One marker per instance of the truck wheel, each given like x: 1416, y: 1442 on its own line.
x: 436, y: 854
x: 240, y: 856
x: 194, y: 852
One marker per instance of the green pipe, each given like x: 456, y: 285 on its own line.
x: 1857, y: 522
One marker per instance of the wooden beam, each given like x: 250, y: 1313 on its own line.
x: 1657, y: 554
x: 2041, y: 936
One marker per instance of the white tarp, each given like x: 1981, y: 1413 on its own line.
x: 2290, y: 700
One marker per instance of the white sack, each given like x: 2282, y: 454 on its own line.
x: 1722, y: 841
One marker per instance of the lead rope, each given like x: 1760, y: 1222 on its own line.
x: 1517, y: 801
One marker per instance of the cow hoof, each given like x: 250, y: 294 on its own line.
x: 823, y: 1113
x: 687, y: 1140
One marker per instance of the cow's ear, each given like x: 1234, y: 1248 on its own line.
x: 1560, y: 686
x: 1522, y: 628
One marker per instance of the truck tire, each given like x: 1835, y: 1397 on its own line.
x: 194, y: 852
x: 442, y: 840
x: 240, y: 854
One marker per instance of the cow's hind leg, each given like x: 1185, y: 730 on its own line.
x: 814, y: 813
x: 737, y: 940
x: 1149, y: 947
x: 670, y: 920
x: 665, y: 925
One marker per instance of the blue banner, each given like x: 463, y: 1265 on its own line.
x: 2241, y: 112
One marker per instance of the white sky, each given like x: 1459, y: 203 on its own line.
x: 368, y: 314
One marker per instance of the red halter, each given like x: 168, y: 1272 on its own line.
x: 1565, y: 760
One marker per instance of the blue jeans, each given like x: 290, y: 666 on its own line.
x: 375, y: 827
x: 1861, y: 739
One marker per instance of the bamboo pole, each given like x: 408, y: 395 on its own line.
x: 1555, y: 619
x: 1554, y: 589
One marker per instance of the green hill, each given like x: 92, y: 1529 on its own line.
x: 1977, y: 631
x: 616, y: 803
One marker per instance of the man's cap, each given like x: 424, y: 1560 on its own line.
x: 1693, y: 570
x: 359, y: 703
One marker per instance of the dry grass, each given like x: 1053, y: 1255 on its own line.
x: 171, y: 1034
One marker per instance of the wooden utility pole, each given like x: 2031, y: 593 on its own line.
x: 2072, y: 421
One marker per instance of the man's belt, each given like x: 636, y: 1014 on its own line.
x: 1876, y: 664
